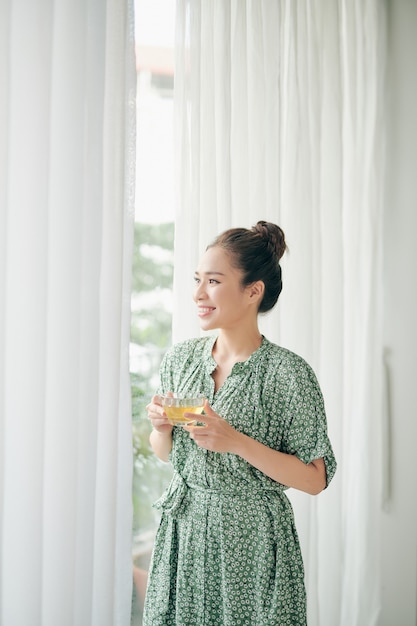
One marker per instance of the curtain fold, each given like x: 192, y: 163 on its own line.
x: 67, y: 120
x: 279, y: 116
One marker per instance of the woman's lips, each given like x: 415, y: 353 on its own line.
x: 205, y: 310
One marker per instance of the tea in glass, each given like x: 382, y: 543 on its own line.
x: 176, y: 405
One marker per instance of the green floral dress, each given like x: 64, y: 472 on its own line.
x: 227, y: 552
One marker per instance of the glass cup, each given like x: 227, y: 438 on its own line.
x: 177, y: 404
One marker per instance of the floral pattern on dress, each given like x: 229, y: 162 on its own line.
x: 227, y: 551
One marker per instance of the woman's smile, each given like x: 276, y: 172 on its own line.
x: 205, y: 310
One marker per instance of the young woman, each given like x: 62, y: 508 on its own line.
x: 226, y: 551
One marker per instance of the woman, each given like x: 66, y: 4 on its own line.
x: 226, y: 551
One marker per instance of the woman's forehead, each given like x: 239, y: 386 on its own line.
x: 214, y: 260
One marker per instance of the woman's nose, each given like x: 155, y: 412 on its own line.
x: 199, y: 292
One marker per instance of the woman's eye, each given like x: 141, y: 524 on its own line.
x: 210, y: 281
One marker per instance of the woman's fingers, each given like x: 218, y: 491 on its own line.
x: 157, y: 415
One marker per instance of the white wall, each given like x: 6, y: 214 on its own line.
x: 399, y: 525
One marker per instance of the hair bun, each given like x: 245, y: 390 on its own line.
x: 273, y: 235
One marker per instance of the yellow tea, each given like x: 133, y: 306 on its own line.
x: 175, y: 414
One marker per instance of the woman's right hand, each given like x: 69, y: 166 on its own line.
x: 157, y: 416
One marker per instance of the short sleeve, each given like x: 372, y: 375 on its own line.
x: 306, y: 425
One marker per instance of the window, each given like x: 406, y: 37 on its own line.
x: 152, y: 264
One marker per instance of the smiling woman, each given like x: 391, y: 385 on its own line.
x: 226, y: 522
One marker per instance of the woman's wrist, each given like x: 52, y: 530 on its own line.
x: 240, y: 443
x: 161, y: 443
x: 163, y: 431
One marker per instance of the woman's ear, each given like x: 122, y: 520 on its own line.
x: 256, y: 290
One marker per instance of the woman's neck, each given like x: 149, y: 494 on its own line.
x: 237, y: 346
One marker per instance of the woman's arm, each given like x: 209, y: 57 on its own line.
x: 161, y: 435
x: 286, y: 469
x: 219, y: 436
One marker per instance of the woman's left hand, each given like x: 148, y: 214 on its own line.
x: 217, y: 435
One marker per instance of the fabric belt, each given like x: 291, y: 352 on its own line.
x: 172, y: 499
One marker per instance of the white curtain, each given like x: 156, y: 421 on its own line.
x: 66, y: 221
x: 279, y: 116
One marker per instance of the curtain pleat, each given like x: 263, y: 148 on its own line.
x: 66, y: 223
x: 279, y: 116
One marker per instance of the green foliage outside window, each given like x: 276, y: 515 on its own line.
x: 152, y: 274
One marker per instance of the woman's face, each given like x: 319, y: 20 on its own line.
x: 221, y: 300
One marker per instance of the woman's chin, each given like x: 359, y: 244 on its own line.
x: 206, y: 325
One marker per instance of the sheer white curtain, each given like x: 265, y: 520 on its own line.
x: 66, y: 214
x: 279, y: 117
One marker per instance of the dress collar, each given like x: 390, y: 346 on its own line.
x: 250, y: 361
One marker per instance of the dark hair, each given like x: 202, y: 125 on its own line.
x: 256, y: 252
